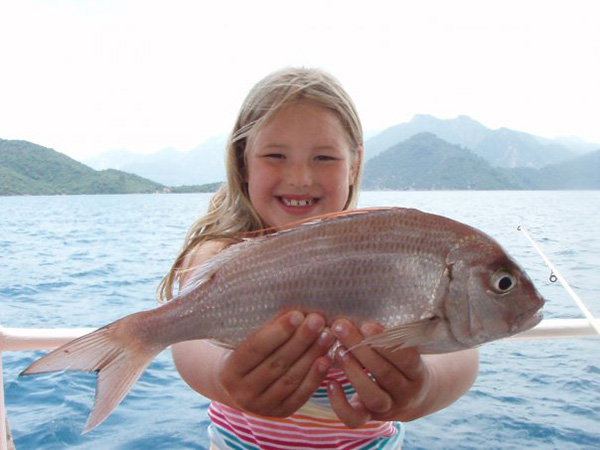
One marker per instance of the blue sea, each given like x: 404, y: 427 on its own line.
x: 83, y: 261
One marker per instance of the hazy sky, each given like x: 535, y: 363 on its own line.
x: 85, y: 77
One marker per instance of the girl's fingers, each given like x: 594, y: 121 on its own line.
x: 297, y: 395
x: 373, y: 397
x: 353, y: 414
x: 276, y: 370
x: 304, y: 374
x: 392, y: 379
x: 253, y: 351
x: 376, y: 387
x: 292, y: 359
x: 406, y: 360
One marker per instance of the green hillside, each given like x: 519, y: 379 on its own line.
x: 579, y: 173
x: 423, y: 162
x: 428, y: 162
x: 30, y: 169
x: 582, y: 172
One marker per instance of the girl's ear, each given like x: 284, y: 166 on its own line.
x: 356, y: 165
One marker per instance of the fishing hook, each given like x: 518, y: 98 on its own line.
x: 553, y: 278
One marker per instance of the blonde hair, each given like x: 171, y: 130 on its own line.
x: 230, y: 212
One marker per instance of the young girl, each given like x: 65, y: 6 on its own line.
x: 296, y: 152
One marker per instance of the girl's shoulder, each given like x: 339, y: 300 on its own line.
x: 202, y: 253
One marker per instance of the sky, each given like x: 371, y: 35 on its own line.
x: 87, y: 77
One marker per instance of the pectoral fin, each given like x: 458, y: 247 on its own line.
x: 222, y: 344
x: 413, y: 334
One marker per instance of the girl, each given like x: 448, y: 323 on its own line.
x: 295, y: 152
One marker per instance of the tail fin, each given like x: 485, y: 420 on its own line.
x: 113, y: 353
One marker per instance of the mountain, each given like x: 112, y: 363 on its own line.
x: 509, y: 148
x: 501, y: 148
x: 30, y: 169
x: 426, y: 162
x: 579, y: 173
x: 582, y: 172
x: 461, y: 131
x: 201, y: 165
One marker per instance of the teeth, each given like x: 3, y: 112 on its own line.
x: 290, y: 202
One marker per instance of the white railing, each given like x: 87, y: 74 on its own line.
x: 18, y: 339
x: 12, y: 339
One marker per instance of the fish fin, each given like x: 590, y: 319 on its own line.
x: 222, y: 344
x: 113, y: 353
x: 266, y: 232
x: 332, y: 215
x: 414, y: 334
x: 205, y: 271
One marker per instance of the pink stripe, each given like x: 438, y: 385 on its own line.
x: 296, y: 433
x: 296, y: 426
x: 269, y: 443
x: 276, y: 444
x: 355, y: 444
x: 300, y: 427
x: 244, y: 434
x: 287, y: 430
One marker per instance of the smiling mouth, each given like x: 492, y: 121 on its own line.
x: 298, y: 203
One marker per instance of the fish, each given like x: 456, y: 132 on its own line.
x: 433, y: 283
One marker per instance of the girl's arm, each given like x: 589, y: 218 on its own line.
x: 274, y: 372
x: 404, y: 384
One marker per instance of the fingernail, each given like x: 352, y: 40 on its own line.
x: 315, y: 322
x: 296, y: 318
x: 323, y: 367
x: 340, y: 329
x: 326, y: 338
x: 367, y: 330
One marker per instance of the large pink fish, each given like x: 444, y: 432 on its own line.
x: 432, y: 282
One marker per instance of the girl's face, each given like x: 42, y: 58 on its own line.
x: 299, y: 165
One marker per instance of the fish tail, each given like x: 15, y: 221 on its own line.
x: 114, y: 353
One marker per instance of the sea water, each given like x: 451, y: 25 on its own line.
x: 83, y: 261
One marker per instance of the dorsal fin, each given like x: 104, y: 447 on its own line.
x: 314, y: 220
x: 204, y: 272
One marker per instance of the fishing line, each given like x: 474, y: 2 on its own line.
x: 556, y: 275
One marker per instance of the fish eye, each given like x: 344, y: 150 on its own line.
x: 503, y: 281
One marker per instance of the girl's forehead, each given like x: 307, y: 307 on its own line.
x: 322, y: 121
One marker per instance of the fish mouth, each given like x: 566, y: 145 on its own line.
x: 529, y: 319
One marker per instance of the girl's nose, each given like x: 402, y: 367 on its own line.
x: 299, y: 175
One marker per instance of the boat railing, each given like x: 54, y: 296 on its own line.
x: 20, y: 339
x: 17, y: 339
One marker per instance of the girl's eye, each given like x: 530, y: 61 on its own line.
x: 274, y: 155
x: 325, y: 158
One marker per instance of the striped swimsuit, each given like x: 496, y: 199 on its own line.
x: 314, y: 426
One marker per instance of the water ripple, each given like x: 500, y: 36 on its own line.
x: 87, y: 260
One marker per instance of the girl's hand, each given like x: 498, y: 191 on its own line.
x: 276, y: 370
x: 395, y: 390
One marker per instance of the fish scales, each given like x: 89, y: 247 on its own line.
x: 433, y: 283
x: 333, y: 270
x: 271, y: 275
